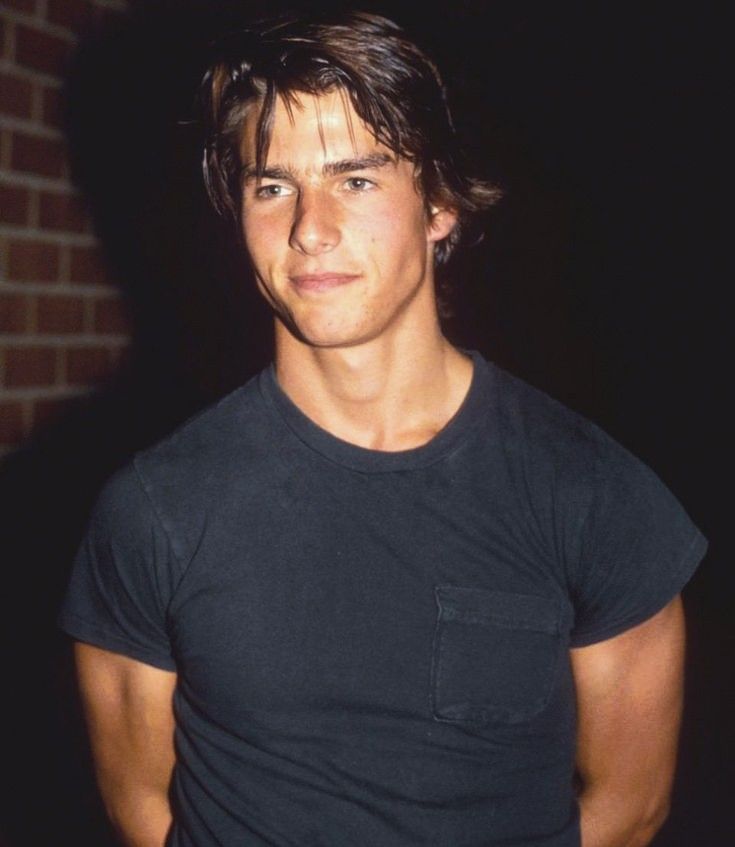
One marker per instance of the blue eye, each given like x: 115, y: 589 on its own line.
x: 272, y: 191
x: 269, y: 191
x: 359, y: 183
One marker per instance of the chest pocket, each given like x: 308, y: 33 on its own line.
x: 495, y: 655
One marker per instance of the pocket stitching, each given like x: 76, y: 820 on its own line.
x: 483, y: 714
x: 497, y: 620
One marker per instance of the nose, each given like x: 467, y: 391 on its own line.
x: 315, y: 228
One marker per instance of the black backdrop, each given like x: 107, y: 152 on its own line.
x: 598, y: 280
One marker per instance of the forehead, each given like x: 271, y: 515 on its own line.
x: 310, y: 130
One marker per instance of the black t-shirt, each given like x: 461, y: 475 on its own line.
x: 372, y: 648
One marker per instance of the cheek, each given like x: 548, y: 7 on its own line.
x: 261, y: 241
x: 393, y: 230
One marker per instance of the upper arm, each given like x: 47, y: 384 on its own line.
x: 629, y: 699
x: 129, y: 712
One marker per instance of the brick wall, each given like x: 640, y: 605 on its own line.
x: 62, y: 325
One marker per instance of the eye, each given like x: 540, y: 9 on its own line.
x: 267, y: 192
x: 359, y: 183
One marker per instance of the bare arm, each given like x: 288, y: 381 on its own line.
x: 629, y: 696
x: 128, y: 707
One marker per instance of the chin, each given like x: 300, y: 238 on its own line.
x: 333, y: 340
x: 321, y: 337
x: 325, y: 333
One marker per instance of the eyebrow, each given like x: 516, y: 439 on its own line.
x: 362, y: 163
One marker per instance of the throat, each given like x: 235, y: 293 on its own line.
x: 389, y: 410
x: 391, y: 442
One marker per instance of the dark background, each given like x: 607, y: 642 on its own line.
x: 599, y: 280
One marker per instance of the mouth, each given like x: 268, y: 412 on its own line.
x: 321, y: 281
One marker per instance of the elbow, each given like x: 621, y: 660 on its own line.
x: 651, y: 822
x: 621, y: 818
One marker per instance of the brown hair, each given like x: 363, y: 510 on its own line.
x: 392, y: 85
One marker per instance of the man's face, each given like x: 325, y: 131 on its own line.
x: 336, y: 230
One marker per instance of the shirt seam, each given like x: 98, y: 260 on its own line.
x: 698, y: 540
x: 68, y: 619
x: 142, y: 482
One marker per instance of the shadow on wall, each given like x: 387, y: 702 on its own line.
x: 199, y: 330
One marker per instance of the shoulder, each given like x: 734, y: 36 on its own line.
x: 548, y: 442
x: 211, y: 447
x: 555, y: 440
x: 544, y: 438
x: 213, y: 433
x: 626, y: 544
x: 177, y: 481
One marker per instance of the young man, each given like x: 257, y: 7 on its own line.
x: 384, y: 594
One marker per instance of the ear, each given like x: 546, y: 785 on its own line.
x: 440, y: 223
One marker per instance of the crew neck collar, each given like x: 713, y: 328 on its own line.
x: 366, y: 460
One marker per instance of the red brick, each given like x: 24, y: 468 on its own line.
x: 20, y: 5
x: 25, y: 366
x: 14, y: 204
x: 87, y: 265
x: 111, y: 316
x: 60, y: 314
x: 43, y: 156
x: 13, y: 312
x: 41, y: 51
x: 11, y: 423
x: 53, y: 107
x: 61, y: 212
x: 33, y: 261
x: 87, y: 365
x: 15, y: 96
x: 72, y: 14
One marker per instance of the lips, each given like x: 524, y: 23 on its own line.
x: 321, y: 281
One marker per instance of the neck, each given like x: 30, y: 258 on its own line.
x: 385, y: 394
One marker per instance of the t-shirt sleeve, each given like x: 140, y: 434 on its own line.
x: 121, y: 583
x: 639, y: 548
